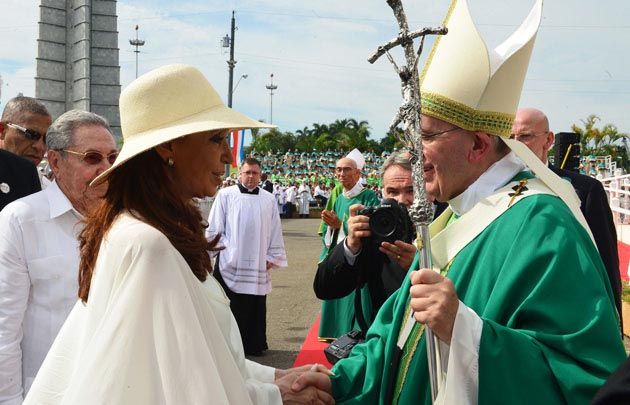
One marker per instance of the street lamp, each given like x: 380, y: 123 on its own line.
x: 228, y: 42
x: 239, y: 80
x: 137, y: 43
x: 271, y: 87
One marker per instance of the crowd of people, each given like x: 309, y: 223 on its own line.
x: 115, y: 288
x: 297, y: 198
x: 315, y: 168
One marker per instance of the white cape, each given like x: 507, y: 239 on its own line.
x: 150, y: 333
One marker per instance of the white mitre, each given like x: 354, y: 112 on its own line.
x: 358, y: 158
x: 478, y: 89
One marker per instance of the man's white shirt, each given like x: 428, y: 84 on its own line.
x: 39, y: 261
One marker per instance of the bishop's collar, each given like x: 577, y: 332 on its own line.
x: 497, y: 175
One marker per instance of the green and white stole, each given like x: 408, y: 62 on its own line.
x: 448, y: 238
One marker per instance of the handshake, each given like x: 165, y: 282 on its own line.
x: 309, y: 384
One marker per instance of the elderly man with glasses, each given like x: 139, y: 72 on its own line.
x: 22, y: 145
x: 338, y: 315
x: 39, y: 250
x: 358, y: 261
x: 531, y: 127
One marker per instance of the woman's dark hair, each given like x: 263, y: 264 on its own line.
x: 143, y: 188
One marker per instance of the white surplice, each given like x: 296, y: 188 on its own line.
x: 251, y: 232
x: 150, y: 333
x: 304, y: 193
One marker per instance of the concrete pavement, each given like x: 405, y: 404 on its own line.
x: 292, y: 305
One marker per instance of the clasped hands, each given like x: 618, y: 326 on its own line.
x: 308, y: 384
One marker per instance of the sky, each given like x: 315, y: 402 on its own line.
x: 318, y: 50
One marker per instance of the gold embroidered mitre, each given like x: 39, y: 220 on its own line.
x: 477, y: 89
x: 473, y: 87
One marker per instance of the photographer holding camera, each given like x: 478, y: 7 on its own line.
x: 378, y: 249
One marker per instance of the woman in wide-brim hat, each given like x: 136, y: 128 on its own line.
x: 151, y: 327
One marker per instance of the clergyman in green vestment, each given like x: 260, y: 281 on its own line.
x: 338, y: 315
x: 518, y: 298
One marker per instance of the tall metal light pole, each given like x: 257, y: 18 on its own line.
x: 137, y: 43
x: 229, y: 42
x: 271, y: 87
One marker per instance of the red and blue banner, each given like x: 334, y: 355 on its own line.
x: 238, y: 147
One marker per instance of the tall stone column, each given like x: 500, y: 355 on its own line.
x: 78, y: 58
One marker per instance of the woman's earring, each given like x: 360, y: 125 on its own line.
x: 170, y: 161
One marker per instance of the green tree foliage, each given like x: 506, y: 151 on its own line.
x: 273, y: 140
x: 342, y: 134
x: 603, y: 142
x: 391, y: 140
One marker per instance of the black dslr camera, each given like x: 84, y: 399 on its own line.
x: 389, y: 222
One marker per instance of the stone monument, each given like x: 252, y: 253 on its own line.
x: 77, y: 58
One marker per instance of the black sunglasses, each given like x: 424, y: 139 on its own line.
x: 28, y: 133
x: 93, y: 157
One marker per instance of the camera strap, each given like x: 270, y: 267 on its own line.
x: 333, y: 241
x: 358, y: 311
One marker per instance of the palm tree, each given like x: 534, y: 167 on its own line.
x: 602, y: 142
x: 320, y: 129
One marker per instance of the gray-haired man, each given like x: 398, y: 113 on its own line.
x: 354, y: 262
x: 23, y: 128
x: 39, y: 251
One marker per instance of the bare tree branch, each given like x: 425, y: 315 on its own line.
x: 400, y: 40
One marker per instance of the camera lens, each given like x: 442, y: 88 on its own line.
x: 383, y: 223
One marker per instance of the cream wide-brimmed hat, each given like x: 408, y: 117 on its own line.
x: 167, y: 103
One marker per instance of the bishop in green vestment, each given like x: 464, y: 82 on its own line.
x: 549, y: 333
x: 522, y: 309
x: 338, y: 316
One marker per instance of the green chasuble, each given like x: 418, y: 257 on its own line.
x: 336, y: 191
x: 337, y: 317
x: 550, y: 331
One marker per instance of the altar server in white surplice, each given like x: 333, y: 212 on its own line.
x: 247, y: 220
x: 305, y: 199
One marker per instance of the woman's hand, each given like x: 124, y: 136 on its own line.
x: 308, y: 384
